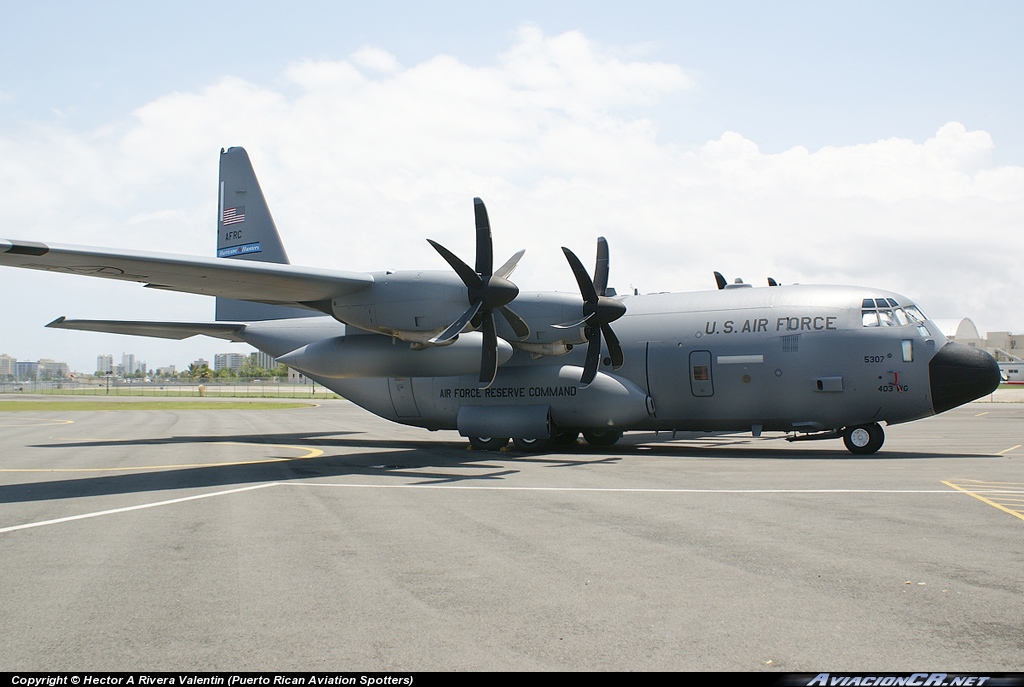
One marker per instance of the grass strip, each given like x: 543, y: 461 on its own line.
x: 62, y: 406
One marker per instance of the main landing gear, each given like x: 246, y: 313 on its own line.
x: 560, y: 438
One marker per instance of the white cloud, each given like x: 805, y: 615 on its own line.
x: 377, y: 59
x: 361, y: 159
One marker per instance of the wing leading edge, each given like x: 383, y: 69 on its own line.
x: 249, y: 281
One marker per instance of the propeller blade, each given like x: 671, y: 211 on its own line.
x: 582, y: 278
x: 601, y: 268
x: 720, y: 280
x: 456, y: 327
x: 470, y: 278
x: 614, y: 347
x: 488, y: 352
x: 510, y: 265
x: 593, y: 356
x: 484, y: 246
x: 517, y: 323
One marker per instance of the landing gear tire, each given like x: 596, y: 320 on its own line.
x: 530, y: 445
x: 564, y: 437
x: 864, y: 439
x: 488, y: 443
x: 601, y: 437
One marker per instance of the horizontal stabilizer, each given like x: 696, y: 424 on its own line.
x: 160, y: 330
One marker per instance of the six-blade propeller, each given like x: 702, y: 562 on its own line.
x: 488, y: 290
x: 599, y: 311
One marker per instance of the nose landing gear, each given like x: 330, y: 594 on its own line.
x: 864, y: 439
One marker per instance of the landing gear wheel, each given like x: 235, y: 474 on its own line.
x: 530, y: 445
x: 864, y: 439
x: 601, y: 437
x: 488, y: 443
x: 564, y: 437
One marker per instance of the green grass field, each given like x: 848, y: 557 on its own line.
x: 78, y: 406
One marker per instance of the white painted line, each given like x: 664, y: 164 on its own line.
x: 97, y: 514
x: 624, y: 490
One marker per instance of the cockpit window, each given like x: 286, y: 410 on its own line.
x: 886, y: 312
x: 914, y: 314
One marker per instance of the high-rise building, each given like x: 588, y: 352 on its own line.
x: 263, y: 360
x: 229, y: 361
x: 6, y: 365
x: 105, y: 363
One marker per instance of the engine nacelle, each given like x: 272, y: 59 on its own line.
x: 414, y: 306
x: 368, y: 355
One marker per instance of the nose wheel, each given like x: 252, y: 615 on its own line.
x: 864, y: 439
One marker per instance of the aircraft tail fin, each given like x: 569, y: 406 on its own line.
x: 246, y: 231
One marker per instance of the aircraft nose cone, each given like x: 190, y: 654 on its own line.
x: 959, y: 374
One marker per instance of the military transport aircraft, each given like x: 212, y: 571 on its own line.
x: 466, y: 350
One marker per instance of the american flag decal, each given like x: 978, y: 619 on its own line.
x: 233, y: 215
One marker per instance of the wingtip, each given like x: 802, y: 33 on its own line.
x: 57, y: 321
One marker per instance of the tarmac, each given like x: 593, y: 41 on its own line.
x: 326, y: 539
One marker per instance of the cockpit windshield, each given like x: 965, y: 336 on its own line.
x: 886, y: 312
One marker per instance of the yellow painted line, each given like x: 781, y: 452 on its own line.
x: 310, y: 453
x: 1012, y: 448
x: 985, y: 500
x: 36, y: 422
x: 980, y: 414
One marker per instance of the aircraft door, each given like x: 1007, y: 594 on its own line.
x: 701, y: 383
x: 402, y: 397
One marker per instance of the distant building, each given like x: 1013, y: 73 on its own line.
x: 201, y: 362
x: 105, y: 364
x: 1004, y: 346
x: 6, y: 366
x: 53, y: 369
x: 263, y: 360
x: 166, y: 371
x: 229, y: 361
x: 26, y: 371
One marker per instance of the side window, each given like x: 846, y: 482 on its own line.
x: 701, y: 383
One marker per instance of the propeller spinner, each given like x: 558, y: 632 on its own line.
x: 599, y: 311
x: 488, y: 290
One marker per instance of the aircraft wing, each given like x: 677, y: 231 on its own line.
x: 246, y: 280
x: 164, y: 330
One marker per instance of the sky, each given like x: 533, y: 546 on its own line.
x: 869, y: 143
